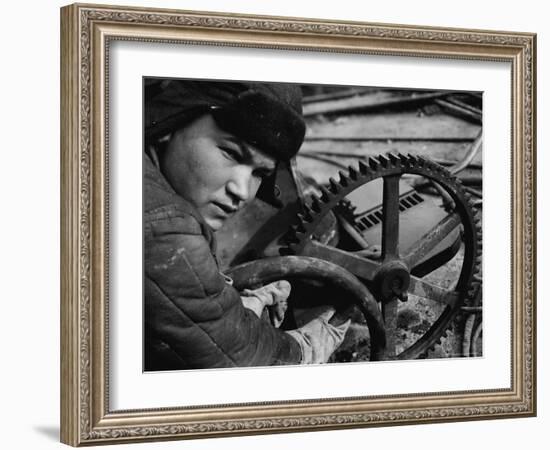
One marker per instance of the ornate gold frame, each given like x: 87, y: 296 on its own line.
x: 86, y: 31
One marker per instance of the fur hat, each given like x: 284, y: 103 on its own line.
x: 266, y: 115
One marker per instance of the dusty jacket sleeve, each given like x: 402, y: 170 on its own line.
x: 194, y: 312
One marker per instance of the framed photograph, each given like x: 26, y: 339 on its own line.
x: 275, y: 224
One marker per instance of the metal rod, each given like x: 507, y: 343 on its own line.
x: 388, y: 138
x: 462, y: 112
x: 431, y: 291
x: 466, y: 342
x: 390, y: 220
x: 464, y: 105
x: 473, y: 191
x: 350, y: 229
x: 431, y: 239
x: 472, y: 309
x: 360, y: 267
x: 470, y: 155
x: 335, y: 95
x: 374, y: 106
x: 475, y: 337
x: 323, y: 159
x: 389, y: 312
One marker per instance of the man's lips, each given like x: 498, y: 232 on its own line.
x: 227, y: 209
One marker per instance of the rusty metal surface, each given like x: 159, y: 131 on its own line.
x: 391, y: 269
x: 256, y: 273
x: 385, y: 221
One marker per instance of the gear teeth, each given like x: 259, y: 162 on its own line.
x: 325, y: 194
x: 304, y: 218
x: 316, y: 203
x: 298, y: 228
x: 373, y: 163
x: 353, y: 173
x: 349, y: 205
x: 308, y: 213
x: 315, y: 197
x: 408, y: 159
x: 384, y: 161
x: 393, y: 158
x: 346, y: 210
x: 334, y: 186
x: 291, y: 237
x: 343, y: 179
x: 363, y: 168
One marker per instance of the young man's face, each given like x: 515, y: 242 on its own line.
x: 213, y: 170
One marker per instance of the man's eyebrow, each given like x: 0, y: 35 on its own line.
x: 247, y: 153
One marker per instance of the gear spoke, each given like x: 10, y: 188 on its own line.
x: 360, y: 267
x: 433, y: 292
x: 389, y: 312
x: 390, y: 218
x: 430, y: 240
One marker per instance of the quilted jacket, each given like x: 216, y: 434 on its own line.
x: 193, y: 317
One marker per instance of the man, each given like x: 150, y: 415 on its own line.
x: 209, y: 147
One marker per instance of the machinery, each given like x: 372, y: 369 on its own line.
x: 369, y: 243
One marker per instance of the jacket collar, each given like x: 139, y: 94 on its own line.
x: 151, y: 168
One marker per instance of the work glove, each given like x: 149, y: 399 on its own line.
x: 274, y: 296
x: 318, y: 339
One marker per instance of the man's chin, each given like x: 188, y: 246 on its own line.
x: 215, y: 223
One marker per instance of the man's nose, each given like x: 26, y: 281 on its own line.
x: 242, y: 185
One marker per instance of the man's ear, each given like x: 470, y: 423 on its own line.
x: 157, y: 148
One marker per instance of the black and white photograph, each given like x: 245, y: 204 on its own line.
x: 289, y: 224
x: 285, y: 224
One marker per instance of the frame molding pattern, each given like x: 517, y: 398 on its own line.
x: 312, y: 422
x: 77, y: 392
x: 85, y: 237
x: 288, y: 25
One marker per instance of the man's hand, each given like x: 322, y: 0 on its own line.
x: 272, y: 295
x: 318, y: 339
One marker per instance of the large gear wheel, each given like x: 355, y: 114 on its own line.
x: 391, y: 275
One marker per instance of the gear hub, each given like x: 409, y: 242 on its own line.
x: 392, y: 280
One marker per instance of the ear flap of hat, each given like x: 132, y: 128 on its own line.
x: 269, y: 191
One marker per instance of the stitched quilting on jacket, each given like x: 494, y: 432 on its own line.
x: 193, y: 318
